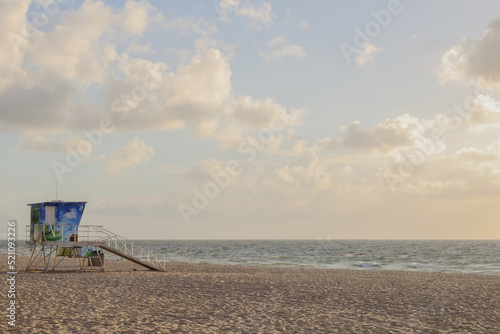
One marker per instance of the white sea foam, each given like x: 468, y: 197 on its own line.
x: 366, y: 264
x: 424, y: 255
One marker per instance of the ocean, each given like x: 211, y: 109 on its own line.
x: 448, y: 256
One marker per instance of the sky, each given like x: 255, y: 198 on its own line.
x: 236, y: 119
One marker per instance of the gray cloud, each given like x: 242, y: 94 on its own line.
x: 402, y: 131
x: 44, y: 104
x: 475, y: 61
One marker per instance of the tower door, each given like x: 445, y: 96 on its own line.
x: 50, y: 215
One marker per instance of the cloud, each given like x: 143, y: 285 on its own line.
x: 249, y: 111
x: 306, y: 173
x: 51, y: 144
x: 139, y: 48
x: 70, y: 77
x: 185, y: 25
x: 13, y: 42
x: 133, y: 153
x: 247, y: 9
x: 254, y: 123
x: 45, y: 73
x: 136, y: 17
x: 74, y: 49
x: 472, y: 155
x: 475, y: 61
x: 484, y: 110
x: 196, y: 92
x: 468, y: 173
x: 402, y: 131
x: 204, y: 82
x: 304, y: 24
x: 282, y: 49
x: 366, y: 54
x: 210, y: 171
x: 46, y: 103
x: 276, y: 41
x: 261, y: 14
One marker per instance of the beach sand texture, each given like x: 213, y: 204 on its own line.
x: 207, y: 298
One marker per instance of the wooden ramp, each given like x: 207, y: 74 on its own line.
x: 133, y: 259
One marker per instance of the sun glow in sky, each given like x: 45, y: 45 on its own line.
x: 235, y: 119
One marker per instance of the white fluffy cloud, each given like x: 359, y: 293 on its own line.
x: 261, y: 113
x: 306, y: 173
x: 185, y: 25
x: 366, y: 54
x: 402, y: 131
x: 73, y: 49
x: 261, y: 13
x: 204, y: 82
x: 467, y: 173
x: 46, y: 77
x: 472, y: 155
x: 280, y: 49
x: 248, y: 122
x: 45, y: 74
x: 483, y: 111
x: 154, y: 98
x: 134, y: 152
x: 477, y: 61
x: 50, y: 75
x: 137, y: 15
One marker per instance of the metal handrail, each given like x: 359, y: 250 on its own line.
x: 133, y: 249
x: 80, y: 233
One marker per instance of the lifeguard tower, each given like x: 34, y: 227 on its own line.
x: 55, y: 233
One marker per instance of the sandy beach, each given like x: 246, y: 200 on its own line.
x: 207, y: 298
